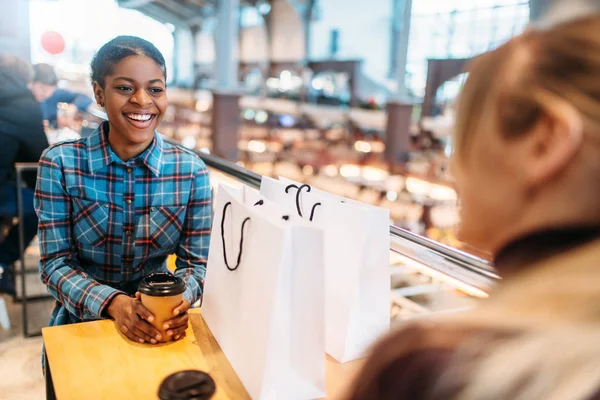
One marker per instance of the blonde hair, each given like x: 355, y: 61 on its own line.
x: 506, y: 87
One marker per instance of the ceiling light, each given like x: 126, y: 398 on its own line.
x: 263, y: 7
x: 256, y: 146
x: 189, y: 142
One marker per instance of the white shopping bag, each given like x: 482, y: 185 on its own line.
x: 357, y: 273
x: 264, y: 296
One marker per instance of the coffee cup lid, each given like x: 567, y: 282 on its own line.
x: 187, y: 385
x: 161, y: 284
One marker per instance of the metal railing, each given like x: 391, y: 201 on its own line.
x: 446, y: 260
x: 457, y: 264
x: 449, y: 261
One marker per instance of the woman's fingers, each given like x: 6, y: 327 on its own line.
x: 143, y: 335
x: 176, y: 322
x: 142, y: 311
x: 137, y: 327
x: 130, y: 334
x: 177, y: 333
x: 176, y: 326
x: 179, y: 337
x: 147, y: 329
x: 181, y: 307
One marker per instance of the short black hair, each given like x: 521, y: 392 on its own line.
x: 45, y: 74
x: 119, y: 48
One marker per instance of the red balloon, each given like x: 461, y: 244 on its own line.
x: 53, y: 42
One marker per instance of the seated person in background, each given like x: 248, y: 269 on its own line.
x: 526, y: 163
x: 114, y: 205
x: 44, y: 87
x: 22, y: 139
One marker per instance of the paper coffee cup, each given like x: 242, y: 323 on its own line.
x: 161, y: 293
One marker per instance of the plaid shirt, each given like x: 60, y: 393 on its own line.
x: 104, y: 223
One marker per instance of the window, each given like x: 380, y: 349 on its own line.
x: 458, y: 29
x: 249, y: 17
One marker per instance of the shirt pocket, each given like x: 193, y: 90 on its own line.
x: 160, y: 228
x: 90, y: 222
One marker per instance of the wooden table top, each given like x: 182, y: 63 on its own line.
x: 93, y: 360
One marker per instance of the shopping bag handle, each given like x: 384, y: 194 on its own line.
x: 239, y: 259
x: 298, y: 207
x: 262, y: 202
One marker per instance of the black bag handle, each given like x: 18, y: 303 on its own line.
x: 262, y: 202
x: 239, y: 259
x: 298, y: 207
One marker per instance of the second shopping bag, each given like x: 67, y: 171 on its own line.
x: 357, y: 274
x: 264, y: 296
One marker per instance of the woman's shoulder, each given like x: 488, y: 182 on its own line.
x: 181, y: 155
x: 405, y: 364
x: 413, y: 361
x: 60, y: 150
x: 427, y: 338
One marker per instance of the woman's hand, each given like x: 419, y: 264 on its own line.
x: 132, y: 318
x: 177, y: 325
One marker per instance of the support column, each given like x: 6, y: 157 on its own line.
x: 226, y: 108
x: 405, y: 11
x: 306, y: 75
x: 194, y: 31
x: 226, y: 40
x: 225, y: 125
x: 267, y: 67
x: 184, y: 55
x: 397, y: 132
x: 399, y: 108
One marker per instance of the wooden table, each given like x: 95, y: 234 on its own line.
x: 93, y: 361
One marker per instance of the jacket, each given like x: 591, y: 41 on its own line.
x: 22, y: 136
x: 536, y: 337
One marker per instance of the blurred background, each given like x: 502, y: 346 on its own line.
x: 352, y: 96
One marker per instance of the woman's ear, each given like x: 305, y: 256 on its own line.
x: 98, y: 94
x: 554, y: 140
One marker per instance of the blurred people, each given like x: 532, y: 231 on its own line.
x: 44, y: 87
x: 22, y: 139
x: 66, y: 125
x: 526, y: 162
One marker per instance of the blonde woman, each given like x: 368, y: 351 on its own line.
x: 527, y: 168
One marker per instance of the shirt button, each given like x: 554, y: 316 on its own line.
x: 128, y: 201
x: 127, y: 233
x: 106, y: 206
x: 129, y: 170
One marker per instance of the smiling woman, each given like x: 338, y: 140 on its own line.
x: 129, y: 78
x: 113, y: 206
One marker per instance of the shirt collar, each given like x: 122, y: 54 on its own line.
x: 152, y: 156
x: 98, y: 148
x: 100, y: 154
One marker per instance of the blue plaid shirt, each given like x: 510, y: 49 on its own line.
x: 104, y: 223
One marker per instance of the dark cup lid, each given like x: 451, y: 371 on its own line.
x: 161, y: 284
x: 187, y: 385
